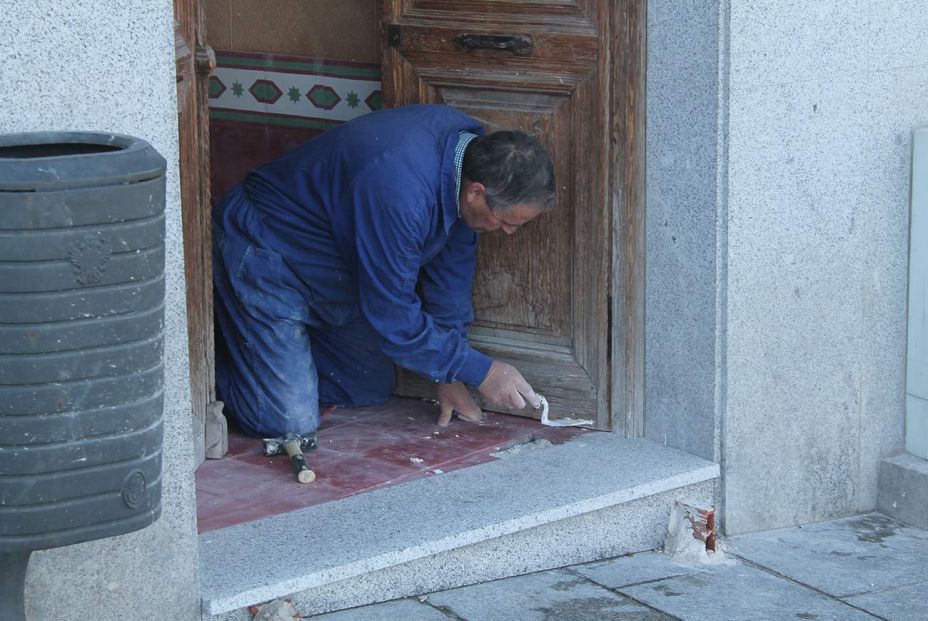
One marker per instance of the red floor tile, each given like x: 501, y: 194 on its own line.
x: 359, y: 450
x: 474, y: 459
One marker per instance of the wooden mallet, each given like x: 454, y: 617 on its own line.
x: 293, y: 446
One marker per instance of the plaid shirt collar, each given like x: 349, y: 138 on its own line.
x: 463, y: 140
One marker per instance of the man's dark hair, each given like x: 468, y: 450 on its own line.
x: 513, y: 167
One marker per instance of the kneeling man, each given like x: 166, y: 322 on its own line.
x: 355, y: 252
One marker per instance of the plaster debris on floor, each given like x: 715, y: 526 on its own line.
x: 358, y: 450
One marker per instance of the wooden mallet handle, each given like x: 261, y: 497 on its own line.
x: 304, y: 473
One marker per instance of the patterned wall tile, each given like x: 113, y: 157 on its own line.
x: 291, y: 90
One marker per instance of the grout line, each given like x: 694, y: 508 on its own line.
x: 644, y: 582
x: 884, y: 589
x: 772, y: 572
x: 648, y: 606
x: 445, y: 610
x: 571, y: 570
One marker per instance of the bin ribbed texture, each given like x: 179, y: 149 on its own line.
x: 81, y: 337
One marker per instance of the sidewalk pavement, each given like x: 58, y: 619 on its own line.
x: 860, y: 568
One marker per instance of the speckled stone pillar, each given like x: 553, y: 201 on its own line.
x: 108, y: 65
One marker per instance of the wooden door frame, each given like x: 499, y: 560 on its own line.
x: 627, y: 193
x: 195, y: 61
x: 628, y: 58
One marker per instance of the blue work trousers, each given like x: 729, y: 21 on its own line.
x: 275, y: 361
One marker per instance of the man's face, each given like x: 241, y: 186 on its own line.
x: 480, y: 218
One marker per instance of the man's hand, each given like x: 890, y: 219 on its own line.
x: 505, y: 386
x: 455, y: 398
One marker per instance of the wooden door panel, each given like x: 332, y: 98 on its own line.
x: 540, y: 297
x: 548, y: 49
x: 551, y: 15
x: 513, y: 291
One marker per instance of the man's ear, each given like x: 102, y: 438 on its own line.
x: 474, y: 189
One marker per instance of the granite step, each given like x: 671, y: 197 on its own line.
x: 594, y: 497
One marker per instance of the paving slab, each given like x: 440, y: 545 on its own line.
x: 842, y: 557
x: 907, y: 603
x: 654, y: 586
x: 634, y: 569
x: 735, y: 591
x: 403, y: 609
x: 543, y: 596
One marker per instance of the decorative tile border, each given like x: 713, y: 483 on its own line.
x: 292, y: 91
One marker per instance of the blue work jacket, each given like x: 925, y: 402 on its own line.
x: 363, y: 213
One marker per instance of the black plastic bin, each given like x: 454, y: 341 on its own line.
x: 81, y: 343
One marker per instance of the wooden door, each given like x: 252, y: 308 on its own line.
x: 195, y: 61
x: 541, y: 297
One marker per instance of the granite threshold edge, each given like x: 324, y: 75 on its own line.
x: 266, y: 590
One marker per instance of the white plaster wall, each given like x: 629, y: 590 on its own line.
x: 822, y: 99
x: 109, y: 65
